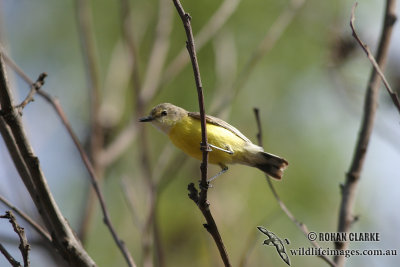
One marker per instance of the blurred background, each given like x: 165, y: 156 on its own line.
x: 110, y: 62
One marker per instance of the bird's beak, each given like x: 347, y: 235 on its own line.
x: 146, y: 119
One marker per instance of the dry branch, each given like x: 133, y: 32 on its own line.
x: 9, y: 257
x: 28, y: 166
x: 148, y: 234
x: 201, y: 198
x: 390, y: 20
x: 89, y: 54
x: 282, y: 205
x: 346, y: 217
x: 159, y: 51
x: 24, y: 246
x: 206, y: 33
x: 96, y: 134
x: 85, y: 158
x: 154, y: 80
x: 34, y: 88
x: 46, y: 236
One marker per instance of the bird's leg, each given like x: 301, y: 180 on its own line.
x: 223, y: 170
x: 228, y: 150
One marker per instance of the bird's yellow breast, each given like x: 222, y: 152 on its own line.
x: 186, y: 135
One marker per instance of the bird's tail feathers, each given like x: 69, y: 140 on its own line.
x: 271, y: 164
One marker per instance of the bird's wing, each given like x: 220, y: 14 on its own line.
x: 221, y: 123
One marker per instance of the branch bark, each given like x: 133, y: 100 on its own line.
x: 9, y: 257
x: 24, y: 246
x: 46, y: 236
x: 390, y: 20
x: 85, y: 158
x: 34, y: 88
x: 28, y: 166
x: 205, y: 34
x: 346, y: 217
x: 282, y: 205
x: 201, y: 198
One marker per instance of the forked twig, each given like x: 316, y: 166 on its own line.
x: 282, y: 205
x: 348, y: 191
x: 34, y: 89
x: 92, y: 175
x: 390, y: 20
x: 28, y: 219
x: 24, y: 246
x: 201, y: 198
x: 29, y: 169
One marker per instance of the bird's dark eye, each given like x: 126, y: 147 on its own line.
x: 164, y: 113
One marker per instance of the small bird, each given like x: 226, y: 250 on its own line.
x: 228, y: 144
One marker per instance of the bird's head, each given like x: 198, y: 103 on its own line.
x: 164, y: 116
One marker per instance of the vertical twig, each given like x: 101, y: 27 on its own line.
x: 91, y: 66
x: 148, y: 234
x: 282, y: 205
x: 89, y: 53
x: 205, y: 34
x: 201, y: 198
x: 152, y: 87
x: 127, y: 31
x: 24, y: 246
x: 348, y: 190
x: 159, y: 51
x: 153, y: 83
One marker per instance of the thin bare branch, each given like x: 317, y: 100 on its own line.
x: 30, y: 171
x: 249, y: 247
x: 390, y: 20
x: 9, y: 257
x: 129, y: 194
x: 159, y: 51
x: 46, y: 236
x: 24, y: 246
x: 348, y: 191
x: 207, y: 32
x: 92, y: 175
x: 85, y: 27
x: 282, y: 205
x: 121, y: 143
x: 148, y: 234
x: 89, y: 53
x: 127, y: 30
x: 151, y: 88
x: 34, y: 88
x: 226, y: 63
x: 201, y: 198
